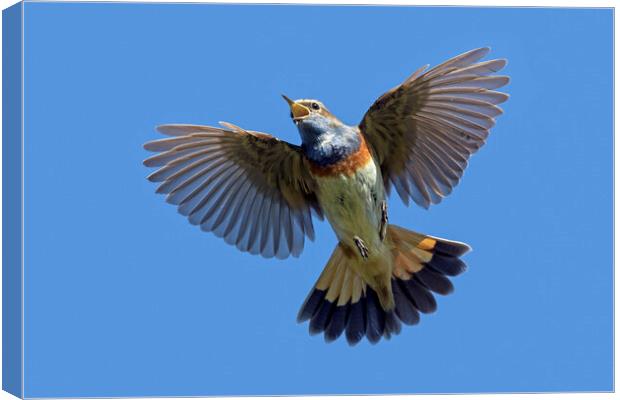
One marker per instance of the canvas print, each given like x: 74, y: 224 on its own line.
x: 226, y: 199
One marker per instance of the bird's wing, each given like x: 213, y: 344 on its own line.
x: 248, y: 187
x: 424, y: 130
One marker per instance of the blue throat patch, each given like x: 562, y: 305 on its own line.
x: 325, y: 141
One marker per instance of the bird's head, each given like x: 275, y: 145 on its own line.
x: 312, y: 118
x: 324, y: 138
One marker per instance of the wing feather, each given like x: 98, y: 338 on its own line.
x: 424, y: 130
x: 225, y: 222
x: 247, y: 187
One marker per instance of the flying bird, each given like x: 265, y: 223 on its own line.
x: 260, y: 193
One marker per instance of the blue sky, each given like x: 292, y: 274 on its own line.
x: 124, y: 297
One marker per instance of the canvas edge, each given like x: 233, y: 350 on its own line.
x: 12, y: 200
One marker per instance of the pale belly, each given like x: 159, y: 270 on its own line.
x: 352, y: 205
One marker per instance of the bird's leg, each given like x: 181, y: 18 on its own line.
x: 361, y: 247
x: 384, y: 220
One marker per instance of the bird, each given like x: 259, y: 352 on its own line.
x: 260, y: 193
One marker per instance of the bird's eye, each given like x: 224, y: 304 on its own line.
x: 315, y: 106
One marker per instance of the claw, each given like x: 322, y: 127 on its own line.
x: 384, y: 220
x: 361, y: 247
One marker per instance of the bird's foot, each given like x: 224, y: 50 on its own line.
x: 384, y: 220
x: 361, y: 247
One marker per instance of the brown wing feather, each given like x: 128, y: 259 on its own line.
x: 248, y: 187
x: 424, y: 130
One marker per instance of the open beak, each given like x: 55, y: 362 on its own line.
x: 297, y: 110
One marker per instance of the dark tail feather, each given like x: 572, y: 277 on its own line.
x: 356, y: 323
x: 405, y: 310
x: 337, y: 324
x: 364, y: 317
x: 375, y: 317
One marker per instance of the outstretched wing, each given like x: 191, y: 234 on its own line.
x: 424, y: 130
x: 248, y: 187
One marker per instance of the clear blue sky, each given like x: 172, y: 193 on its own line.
x: 124, y: 297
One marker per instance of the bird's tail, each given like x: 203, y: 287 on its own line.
x: 341, y: 301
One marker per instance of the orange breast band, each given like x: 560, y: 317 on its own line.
x: 347, y: 166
